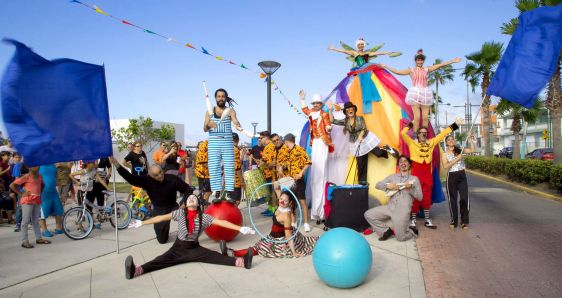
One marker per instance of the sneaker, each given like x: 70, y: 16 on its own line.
x: 412, y: 223
x: 216, y: 197
x: 229, y: 197
x: 248, y: 258
x: 453, y: 225
x: 265, y: 212
x: 59, y: 232
x: 306, y: 227
x: 17, y: 228
x: 387, y: 234
x: 129, y: 267
x: 464, y: 226
x: 429, y: 224
x: 47, y: 233
x: 415, y: 230
x: 391, y: 151
x: 268, y: 213
x: 223, y: 248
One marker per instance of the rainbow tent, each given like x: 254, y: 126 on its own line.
x: 379, y: 98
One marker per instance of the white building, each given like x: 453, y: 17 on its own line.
x: 534, y: 139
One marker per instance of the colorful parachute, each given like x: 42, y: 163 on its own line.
x: 379, y: 98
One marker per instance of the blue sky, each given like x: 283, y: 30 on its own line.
x: 150, y: 77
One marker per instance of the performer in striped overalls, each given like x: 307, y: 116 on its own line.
x: 221, y: 146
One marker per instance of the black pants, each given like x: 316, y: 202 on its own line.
x: 162, y: 229
x: 457, y: 184
x: 184, y: 252
x: 362, y: 162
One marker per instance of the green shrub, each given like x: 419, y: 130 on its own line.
x: 529, y: 171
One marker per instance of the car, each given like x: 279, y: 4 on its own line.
x: 541, y: 153
x: 506, y: 152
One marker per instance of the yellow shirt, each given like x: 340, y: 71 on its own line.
x: 296, y: 160
x: 237, y: 167
x: 282, y: 156
x: 268, y: 155
x: 423, y: 152
x: 201, y: 160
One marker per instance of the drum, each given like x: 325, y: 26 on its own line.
x: 253, y: 179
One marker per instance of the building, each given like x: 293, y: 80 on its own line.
x: 538, y: 134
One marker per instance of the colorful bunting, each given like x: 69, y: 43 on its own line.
x: 189, y: 45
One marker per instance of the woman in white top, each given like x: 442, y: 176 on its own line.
x: 453, y: 161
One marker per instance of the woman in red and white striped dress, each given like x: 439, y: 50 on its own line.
x: 420, y: 96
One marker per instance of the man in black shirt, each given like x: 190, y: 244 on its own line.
x: 136, y: 160
x: 161, y: 188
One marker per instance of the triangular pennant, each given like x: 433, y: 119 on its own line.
x: 190, y: 46
x: 243, y: 66
x: 126, y: 23
x: 218, y: 58
x: 205, y: 51
x: 75, y: 1
x: 98, y: 10
x: 231, y: 62
x: 148, y: 31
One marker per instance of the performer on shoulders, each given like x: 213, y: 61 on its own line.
x: 420, y: 96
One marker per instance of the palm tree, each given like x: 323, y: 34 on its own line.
x: 553, y: 95
x: 439, y: 76
x: 517, y: 112
x: 480, y: 72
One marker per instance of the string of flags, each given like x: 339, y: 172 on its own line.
x: 190, y: 45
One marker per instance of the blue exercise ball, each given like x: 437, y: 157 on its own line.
x: 342, y: 258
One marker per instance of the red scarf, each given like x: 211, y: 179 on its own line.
x: 191, y: 215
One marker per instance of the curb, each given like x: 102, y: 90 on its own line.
x: 524, y: 188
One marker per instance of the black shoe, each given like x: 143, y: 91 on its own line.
x: 129, y: 267
x: 217, y: 197
x: 248, y: 258
x: 453, y: 225
x: 391, y: 151
x: 224, y: 249
x: 387, y: 234
x: 229, y: 197
x: 415, y: 230
x: 318, y: 221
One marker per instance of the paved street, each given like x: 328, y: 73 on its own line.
x: 512, y: 249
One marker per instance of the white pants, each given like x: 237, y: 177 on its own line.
x: 317, y: 179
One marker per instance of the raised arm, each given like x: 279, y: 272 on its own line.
x: 398, y: 72
x: 208, y: 124
x: 405, y: 136
x: 454, y: 126
x: 437, y: 66
x: 304, y: 107
x: 348, y: 52
x: 138, y: 181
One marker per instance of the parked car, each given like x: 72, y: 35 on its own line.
x: 541, y: 153
x: 506, y: 152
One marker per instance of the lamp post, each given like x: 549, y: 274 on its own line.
x: 254, y: 124
x: 437, y: 114
x: 269, y: 67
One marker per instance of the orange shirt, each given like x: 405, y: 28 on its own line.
x: 201, y: 160
x: 268, y: 156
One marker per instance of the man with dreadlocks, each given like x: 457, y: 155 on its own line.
x: 221, y: 146
x: 191, y: 223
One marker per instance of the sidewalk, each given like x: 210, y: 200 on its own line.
x: 49, y: 271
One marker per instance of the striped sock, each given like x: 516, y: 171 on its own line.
x: 426, y: 213
x: 412, y: 216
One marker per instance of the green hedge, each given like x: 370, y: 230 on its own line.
x: 529, y: 171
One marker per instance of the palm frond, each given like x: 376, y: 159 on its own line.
x: 509, y: 27
x: 526, y: 5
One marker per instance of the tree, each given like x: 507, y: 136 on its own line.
x: 518, y: 113
x: 142, y: 130
x: 480, y: 72
x: 553, y: 100
x: 439, y: 76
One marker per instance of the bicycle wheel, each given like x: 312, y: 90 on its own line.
x: 77, y: 224
x: 123, y: 215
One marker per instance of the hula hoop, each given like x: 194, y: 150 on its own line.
x: 254, y: 225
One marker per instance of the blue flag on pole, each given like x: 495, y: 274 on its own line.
x: 531, y: 56
x: 55, y: 110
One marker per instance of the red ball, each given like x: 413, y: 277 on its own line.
x: 225, y: 211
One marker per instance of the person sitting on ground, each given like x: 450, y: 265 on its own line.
x: 403, y: 189
x: 191, y: 223
x: 32, y: 183
x: 281, y: 230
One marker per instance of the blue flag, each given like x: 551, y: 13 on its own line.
x: 55, y: 110
x: 531, y: 57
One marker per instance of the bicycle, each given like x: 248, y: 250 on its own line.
x: 141, y: 206
x: 78, y: 222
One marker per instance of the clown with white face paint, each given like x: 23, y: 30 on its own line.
x: 191, y: 223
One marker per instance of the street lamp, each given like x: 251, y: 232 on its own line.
x: 437, y: 113
x: 254, y: 124
x: 269, y: 67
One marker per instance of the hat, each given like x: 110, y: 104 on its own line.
x: 348, y: 105
x: 317, y: 98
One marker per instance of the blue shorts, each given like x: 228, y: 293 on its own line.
x: 51, y: 205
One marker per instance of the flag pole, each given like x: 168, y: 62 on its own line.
x: 115, y: 209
